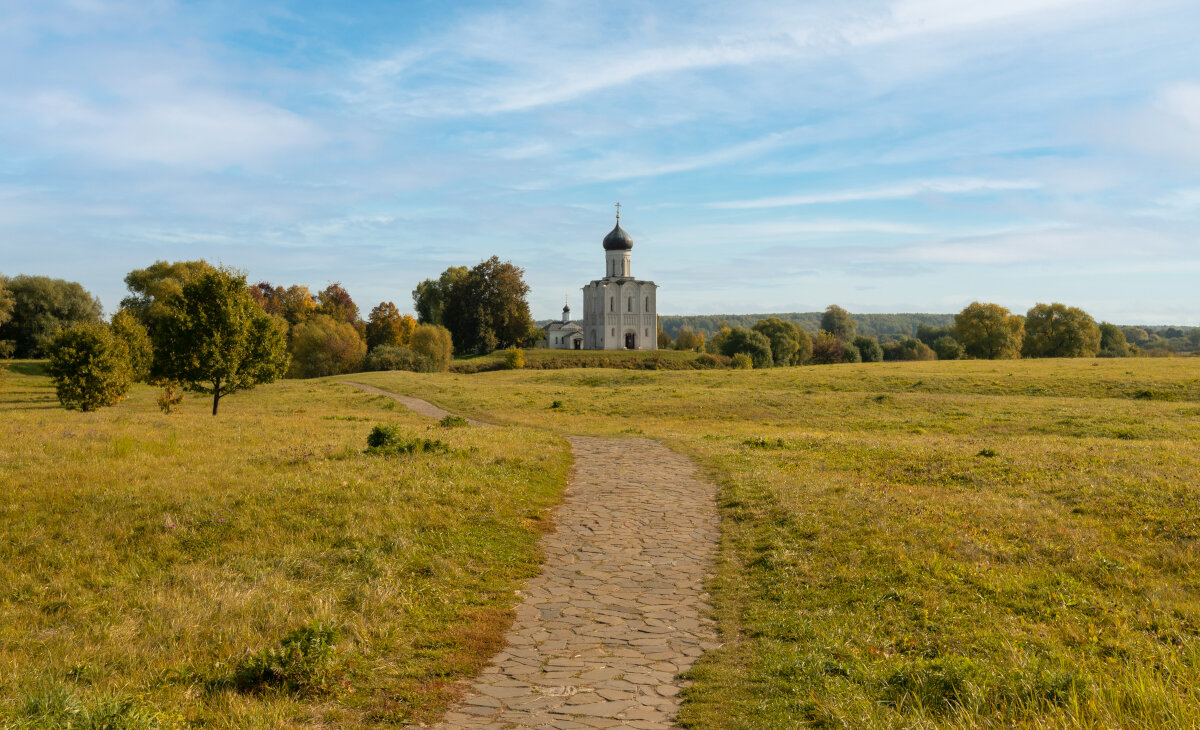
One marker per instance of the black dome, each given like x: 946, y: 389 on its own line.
x: 618, y: 240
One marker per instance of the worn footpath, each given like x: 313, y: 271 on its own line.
x: 619, y: 609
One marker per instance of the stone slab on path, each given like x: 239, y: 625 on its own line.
x: 619, y: 609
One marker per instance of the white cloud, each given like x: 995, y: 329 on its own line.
x: 204, y: 130
x: 909, y: 189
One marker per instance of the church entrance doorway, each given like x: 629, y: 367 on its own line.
x: 578, y: 343
x: 629, y: 341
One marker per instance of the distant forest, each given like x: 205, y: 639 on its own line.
x: 889, y: 327
x: 883, y: 327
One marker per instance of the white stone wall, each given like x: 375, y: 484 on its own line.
x: 615, y: 308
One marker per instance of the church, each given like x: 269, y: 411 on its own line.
x: 619, y: 311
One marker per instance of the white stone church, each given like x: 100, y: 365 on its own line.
x: 619, y: 311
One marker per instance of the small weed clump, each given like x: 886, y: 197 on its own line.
x: 387, y: 439
x: 306, y: 662
x: 758, y: 442
x: 452, y: 421
x: 556, y: 405
x: 57, y: 706
x: 986, y: 453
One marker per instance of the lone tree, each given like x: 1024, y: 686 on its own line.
x: 89, y: 367
x: 213, y: 338
x: 838, y: 322
x: 989, y: 331
x: 1056, y: 330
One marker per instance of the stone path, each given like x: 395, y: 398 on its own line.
x: 619, y: 609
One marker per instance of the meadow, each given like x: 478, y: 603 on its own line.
x: 259, y: 569
x: 923, y: 544
x: 941, y: 545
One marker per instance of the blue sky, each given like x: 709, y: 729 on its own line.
x: 899, y: 155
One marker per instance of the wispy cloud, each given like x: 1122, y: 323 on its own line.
x: 907, y: 189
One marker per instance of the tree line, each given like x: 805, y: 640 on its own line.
x: 981, y: 331
x: 188, y: 325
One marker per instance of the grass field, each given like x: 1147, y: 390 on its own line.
x: 151, y: 565
x: 954, y: 544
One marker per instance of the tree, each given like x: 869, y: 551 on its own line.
x: 868, y: 348
x: 989, y: 331
x: 295, y: 304
x: 132, y: 336
x: 790, y: 345
x: 664, y: 340
x: 748, y: 342
x: 908, y: 348
x: 7, y: 301
x: 152, y: 287
x: 838, y: 322
x: 429, y: 298
x: 1112, y: 341
x: 334, y: 301
x: 929, y: 334
x: 486, y: 310
x: 686, y: 339
x: 947, y: 348
x: 1056, y: 330
x: 386, y: 326
x: 41, y: 308
x: 213, y: 338
x: 714, y: 345
x: 434, y: 342
x: 829, y: 349
x: 88, y: 367
x: 325, y: 346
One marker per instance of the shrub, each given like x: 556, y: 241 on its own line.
x: 89, y: 368
x: 708, y: 361
x: 830, y: 350
x: 433, y: 341
x: 754, y: 345
x: 741, y: 361
x: 171, y: 397
x: 514, y: 358
x: 398, y: 357
x: 908, y: 349
x: 305, y: 662
x: 325, y: 346
x: 452, y: 421
x: 387, y: 439
x: 868, y: 348
x: 947, y: 348
x: 132, y: 336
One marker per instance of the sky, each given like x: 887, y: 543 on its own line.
x: 883, y: 155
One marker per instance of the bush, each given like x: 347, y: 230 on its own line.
x: 741, y: 361
x: 868, y: 348
x: 707, y: 361
x: 755, y: 345
x: 908, y: 349
x: 830, y: 350
x: 452, y: 421
x: 387, y: 439
x: 325, y: 346
x: 171, y: 397
x: 398, y: 357
x: 947, y: 348
x: 433, y: 341
x: 305, y: 662
x: 514, y: 358
x: 89, y: 368
x: 132, y: 336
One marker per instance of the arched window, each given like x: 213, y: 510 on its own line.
x: 610, y: 303
x: 629, y: 305
x: 647, y: 307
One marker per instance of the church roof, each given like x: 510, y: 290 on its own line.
x: 618, y: 240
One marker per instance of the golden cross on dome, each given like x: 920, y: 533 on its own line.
x: 618, y: 211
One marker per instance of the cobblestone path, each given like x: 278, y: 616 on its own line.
x: 619, y: 609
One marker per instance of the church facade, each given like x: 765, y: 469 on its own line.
x: 619, y: 311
